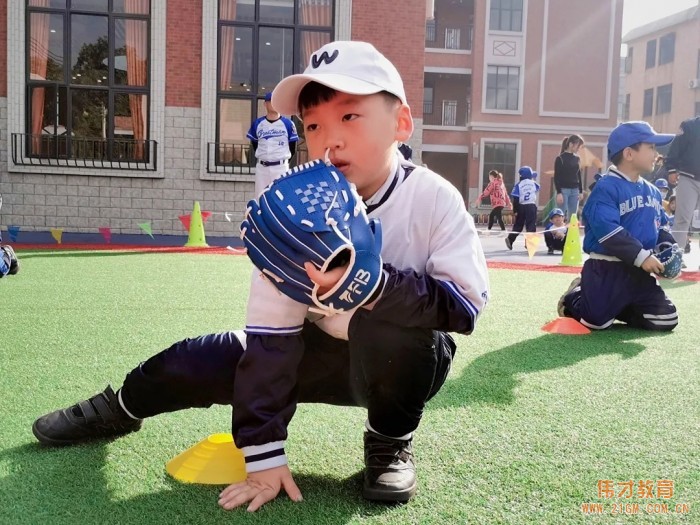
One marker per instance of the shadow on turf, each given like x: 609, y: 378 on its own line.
x: 66, y: 485
x: 491, y: 378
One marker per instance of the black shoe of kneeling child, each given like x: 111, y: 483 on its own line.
x: 101, y: 416
x: 390, y: 472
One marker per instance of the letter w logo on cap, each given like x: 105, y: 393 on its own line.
x: 325, y: 57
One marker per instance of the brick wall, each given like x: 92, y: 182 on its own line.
x: 3, y: 49
x: 397, y: 29
x: 184, y: 53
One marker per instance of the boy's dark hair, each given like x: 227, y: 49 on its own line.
x: 618, y: 156
x: 313, y: 94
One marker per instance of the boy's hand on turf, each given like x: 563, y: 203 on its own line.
x: 652, y: 265
x: 259, y: 488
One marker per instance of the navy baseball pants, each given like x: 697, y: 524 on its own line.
x: 527, y: 217
x: 612, y: 290
x: 390, y: 370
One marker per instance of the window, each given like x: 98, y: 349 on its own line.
x: 648, y: 102
x: 651, y: 54
x: 259, y: 43
x: 502, y: 87
x: 88, y: 80
x: 501, y: 157
x: 452, y: 38
x: 663, y: 99
x: 430, y: 27
x: 626, y: 108
x: 697, y: 109
x: 667, y: 48
x: 427, y: 100
x: 506, y: 15
x: 449, y: 112
x: 629, y: 59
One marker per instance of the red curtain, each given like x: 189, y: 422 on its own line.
x: 227, y: 11
x: 137, y: 71
x: 38, y: 61
x: 314, y: 13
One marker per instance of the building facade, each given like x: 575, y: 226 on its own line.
x: 662, y: 71
x: 115, y: 113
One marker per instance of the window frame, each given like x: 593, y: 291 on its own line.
x: 112, y: 89
x: 256, y: 99
x: 651, y: 54
x: 664, y: 99
x: 648, y: 104
x: 508, y: 175
x: 667, y: 48
x: 496, y: 88
x: 497, y: 6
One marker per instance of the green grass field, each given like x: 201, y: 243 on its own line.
x: 522, y: 432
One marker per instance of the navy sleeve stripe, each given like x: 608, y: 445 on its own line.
x: 463, y: 300
x: 265, y: 455
x: 614, y: 232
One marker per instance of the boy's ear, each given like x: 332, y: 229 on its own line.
x: 404, y: 123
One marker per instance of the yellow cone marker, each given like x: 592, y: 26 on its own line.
x: 196, y: 239
x: 213, y: 461
x: 572, y: 255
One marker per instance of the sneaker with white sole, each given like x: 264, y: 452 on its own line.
x: 561, y: 309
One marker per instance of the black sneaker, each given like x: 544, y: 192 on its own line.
x: 97, y: 417
x: 509, y: 243
x: 14, y: 262
x: 561, y: 309
x: 390, y: 473
x: 550, y: 251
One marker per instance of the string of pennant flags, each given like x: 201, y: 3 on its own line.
x: 13, y: 231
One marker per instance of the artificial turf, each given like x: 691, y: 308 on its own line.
x: 526, y: 426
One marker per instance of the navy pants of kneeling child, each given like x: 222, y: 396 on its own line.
x: 612, y: 290
x: 390, y: 370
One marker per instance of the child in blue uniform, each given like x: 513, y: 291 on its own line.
x: 555, y: 231
x: 624, y: 223
x: 524, y: 204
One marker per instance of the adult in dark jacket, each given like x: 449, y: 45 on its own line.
x: 684, y: 159
x: 567, y: 175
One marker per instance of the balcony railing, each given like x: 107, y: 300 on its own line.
x: 452, y: 38
x: 239, y: 158
x: 79, y: 152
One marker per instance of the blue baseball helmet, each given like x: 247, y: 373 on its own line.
x: 661, y: 183
x: 556, y: 211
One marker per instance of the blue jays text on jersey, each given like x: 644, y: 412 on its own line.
x: 623, y: 218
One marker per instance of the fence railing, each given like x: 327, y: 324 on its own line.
x: 239, y: 158
x: 79, y: 152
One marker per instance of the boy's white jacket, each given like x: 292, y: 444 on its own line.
x: 425, y: 228
x: 435, y: 278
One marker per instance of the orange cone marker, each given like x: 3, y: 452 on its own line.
x: 565, y: 326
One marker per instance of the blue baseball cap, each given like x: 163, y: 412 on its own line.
x: 661, y: 183
x: 526, y: 172
x: 630, y: 133
x: 268, y: 96
x: 556, y: 211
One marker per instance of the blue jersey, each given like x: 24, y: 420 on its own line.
x: 526, y: 191
x: 623, y: 218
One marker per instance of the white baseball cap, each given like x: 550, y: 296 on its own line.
x: 356, y: 68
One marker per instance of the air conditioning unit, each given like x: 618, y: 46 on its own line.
x: 694, y: 83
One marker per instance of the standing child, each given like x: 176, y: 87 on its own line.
x: 623, y: 218
x: 389, y: 357
x: 496, y: 190
x: 555, y: 231
x: 525, y: 201
x: 274, y: 139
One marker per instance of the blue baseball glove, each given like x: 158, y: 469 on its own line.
x: 312, y: 213
x: 672, y: 258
